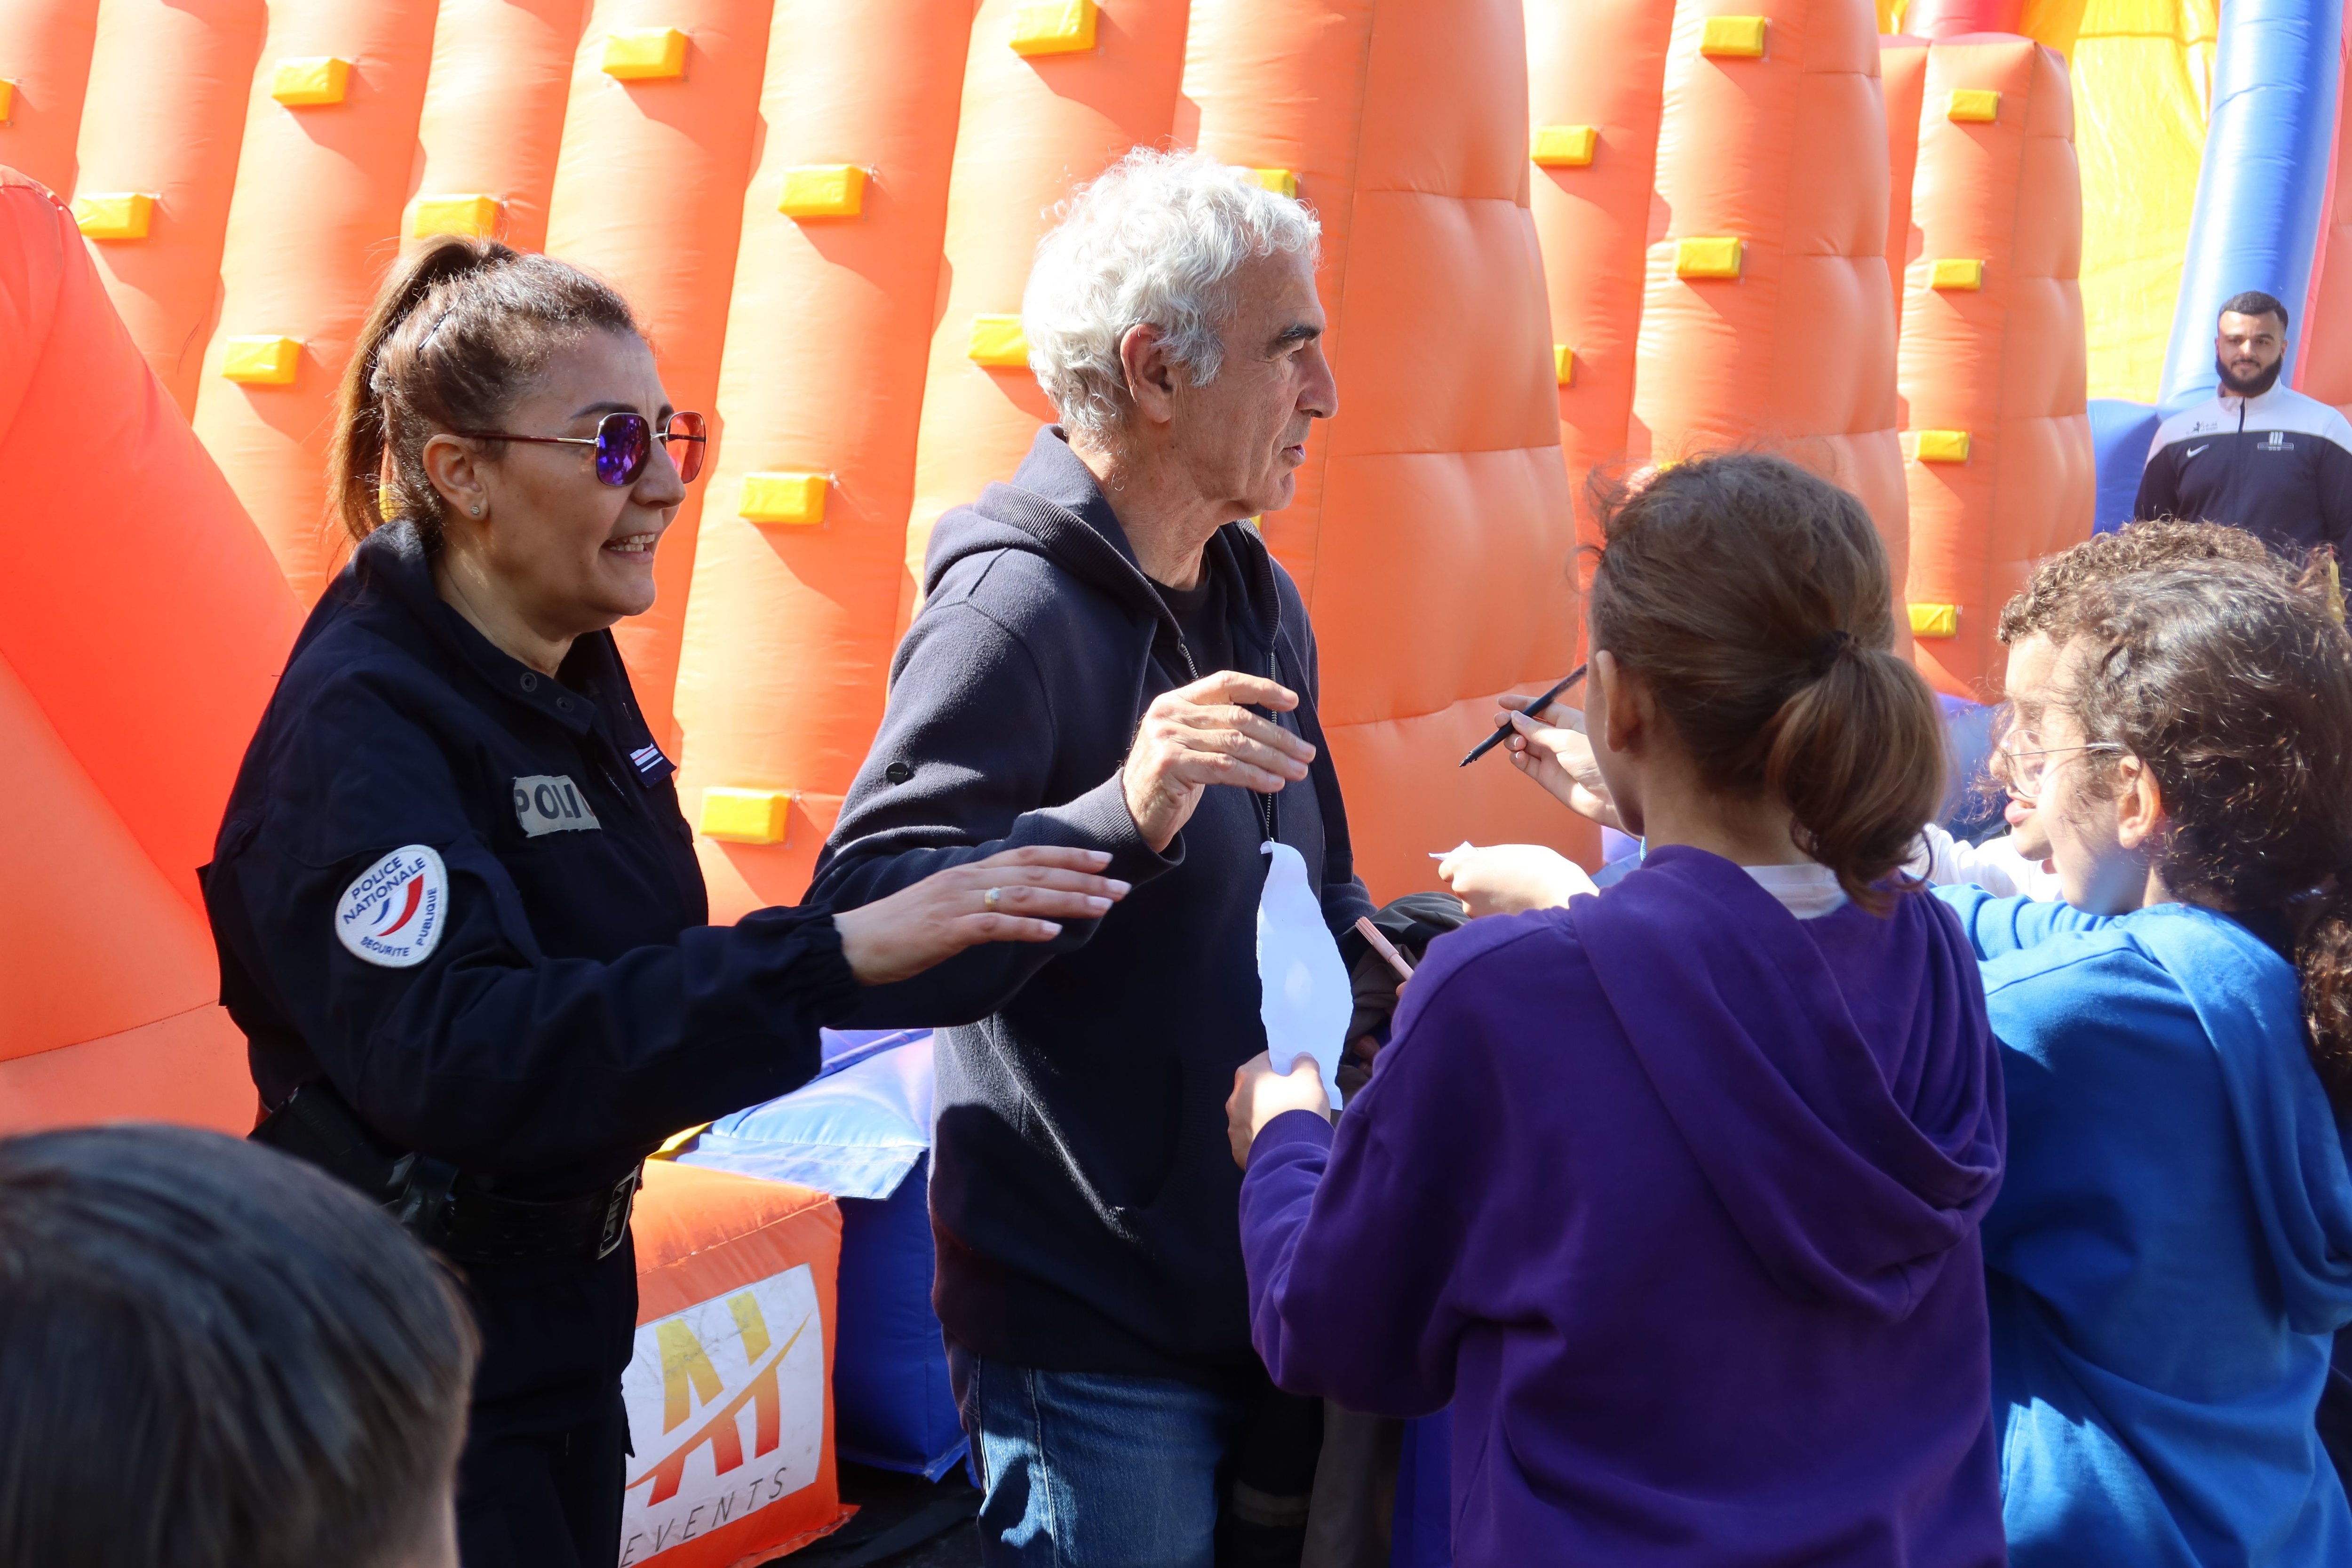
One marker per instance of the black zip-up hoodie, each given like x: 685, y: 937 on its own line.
x: 1083, y: 1197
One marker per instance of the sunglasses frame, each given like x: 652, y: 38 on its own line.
x: 688, y: 469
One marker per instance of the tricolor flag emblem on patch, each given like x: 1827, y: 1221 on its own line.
x: 393, y: 912
x: 652, y: 766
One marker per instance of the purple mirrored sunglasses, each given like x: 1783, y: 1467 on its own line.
x: 624, y: 445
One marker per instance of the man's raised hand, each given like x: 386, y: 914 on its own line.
x: 1202, y: 734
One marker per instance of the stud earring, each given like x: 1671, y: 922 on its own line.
x: 477, y: 511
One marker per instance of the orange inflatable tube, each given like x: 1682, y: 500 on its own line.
x: 1903, y: 82
x: 1770, y: 315
x: 1031, y: 127
x: 1596, y: 82
x: 1240, y: 101
x: 791, y: 625
x: 2323, y: 355
x: 1993, y: 364
x: 44, y: 48
x: 492, y: 122
x: 168, y: 85
x: 121, y: 731
x: 649, y: 196
x: 1443, y: 483
x: 330, y: 146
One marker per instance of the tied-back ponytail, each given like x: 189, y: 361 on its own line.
x: 1755, y: 599
x: 459, y: 333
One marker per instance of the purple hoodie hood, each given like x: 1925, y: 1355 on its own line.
x: 1851, y: 1172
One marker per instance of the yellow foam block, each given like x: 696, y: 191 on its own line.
x: 1955, y: 272
x: 120, y: 217
x: 312, y: 79
x: 1973, y: 105
x: 997, y: 341
x: 7, y: 98
x: 1935, y: 620
x: 1742, y: 38
x: 795, y: 500
x: 1065, y: 27
x: 823, y: 190
x: 1563, y: 146
x: 476, y: 217
x: 1281, y: 182
x: 262, y: 360
x: 746, y: 816
x: 645, y: 54
x: 1941, y: 445
x: 1563, y: 365
x: 1711, y: 257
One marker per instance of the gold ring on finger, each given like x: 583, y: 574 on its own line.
x: 988, y: 901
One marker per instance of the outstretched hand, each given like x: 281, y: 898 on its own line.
x: 1552, y: 749
x: 1511, y: 878
x: 1261, y: 1094
x: 1202, y: 734
x: 1016, y: 895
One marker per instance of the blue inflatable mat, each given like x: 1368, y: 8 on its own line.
x: 862, y: 1132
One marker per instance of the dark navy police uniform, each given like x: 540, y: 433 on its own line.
x: 461, y: 896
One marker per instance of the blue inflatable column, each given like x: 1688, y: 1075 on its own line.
x: 2262, y: 191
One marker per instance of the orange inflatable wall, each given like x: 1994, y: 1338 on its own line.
x: 1903, y: 82
x: 730, y: 1395
x: 1596, y: 86
x: 330, y: 145
x: 141, y: 628
x: 1279, y: 86
x: 1031, y: 126
x: 44, y: 48
x: 165, y: 121
x: 792, y: 617
x: 1442, y: 478
x: 649, y: 195
x: 492, y: 122
x: 1770, y: 314
x: 1999, y: 454
x: 2323, y: 356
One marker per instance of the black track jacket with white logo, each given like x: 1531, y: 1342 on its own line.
x: 2278, y: 466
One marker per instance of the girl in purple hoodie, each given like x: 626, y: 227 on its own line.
x: 1674, y: 1193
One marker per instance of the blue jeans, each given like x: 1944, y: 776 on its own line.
x: 1088, y: 1471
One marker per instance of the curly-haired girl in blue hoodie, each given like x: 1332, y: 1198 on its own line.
x: 2172, y: 1248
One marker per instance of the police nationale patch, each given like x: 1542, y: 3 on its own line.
x: 393, y: 912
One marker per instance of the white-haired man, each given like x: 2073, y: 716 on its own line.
x: 1104, y: 644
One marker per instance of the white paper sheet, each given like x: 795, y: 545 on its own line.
x: 1304, y: 997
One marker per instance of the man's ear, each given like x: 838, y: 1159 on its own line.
x: 1151, y: 372
x: 2139, y: 809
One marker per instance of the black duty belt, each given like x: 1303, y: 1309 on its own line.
x: 439, y: 1204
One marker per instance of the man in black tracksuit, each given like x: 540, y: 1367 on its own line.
x: 2256, y: 455
x: 1100, y: 648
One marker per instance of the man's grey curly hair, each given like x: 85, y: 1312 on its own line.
x: 1154, y: 241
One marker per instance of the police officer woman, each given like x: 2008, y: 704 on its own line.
x: 458, y: 910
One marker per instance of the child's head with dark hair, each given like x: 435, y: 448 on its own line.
x: 1751, y: 604
x: 213, y: 1357
x: 2201, y: 727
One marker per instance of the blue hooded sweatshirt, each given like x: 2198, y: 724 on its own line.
x: 2172, y: 1247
